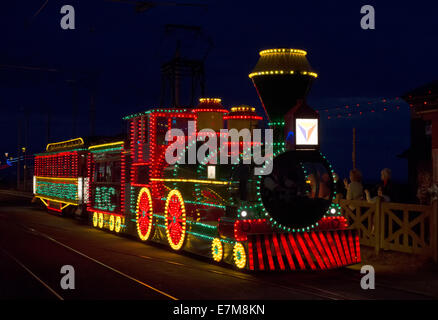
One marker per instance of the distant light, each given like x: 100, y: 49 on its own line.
x: 333, y: 210
x: 244, y: 213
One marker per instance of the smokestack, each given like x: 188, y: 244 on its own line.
x: 210, y: 114
x: 282, y: 77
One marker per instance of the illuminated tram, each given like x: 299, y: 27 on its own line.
x: 232, y: 213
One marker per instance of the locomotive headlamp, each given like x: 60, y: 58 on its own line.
x: 306, y: 132
x: 333, y: 210
x: 244, y: 213
x: 303, y: 122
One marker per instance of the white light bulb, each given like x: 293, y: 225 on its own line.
x: 333, y: 210
x: 244, y: 213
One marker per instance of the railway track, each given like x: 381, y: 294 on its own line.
x: 309, y: 289
x: 296, y: 287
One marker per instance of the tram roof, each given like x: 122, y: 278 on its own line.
x: 158, y: 110
x: 81, y: 144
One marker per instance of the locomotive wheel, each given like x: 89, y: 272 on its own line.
x: 175, y: 219
x: 100, y: 220
x: 95, y: 219
x: 217, y: 250
x: 118, y: 225
x: 239, y: 255
x: 144, y: 215
x: 111, y: 223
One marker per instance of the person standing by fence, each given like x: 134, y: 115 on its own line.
x: 354, y: 188
x: 388, y: 188
x: 427, y: 191
x: 380, y: 195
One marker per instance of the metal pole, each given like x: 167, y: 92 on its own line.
x: 353, y: 155
x: 48, y: 116
x: 163, y: 86
x: 192, y: 98
x: 24, y: 169
x: 92, y: 114
x: 18, y: 150
x: 24, y: 149
x: 74, y: 85
x: 177, y: 76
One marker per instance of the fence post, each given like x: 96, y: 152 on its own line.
x: 434, y: 230
x: 377, y: 226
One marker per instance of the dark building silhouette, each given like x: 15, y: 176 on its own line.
x: 423, y: 154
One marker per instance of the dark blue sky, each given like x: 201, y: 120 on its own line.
x: 126, y: 50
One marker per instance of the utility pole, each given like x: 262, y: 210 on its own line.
x: 176, y: 72
x: 75, y: 107
x: 48, y: 125
x: 176, y: 99
x: 18, y: 150
x: 353, y: 155
x: 24, y: 148
x: 92, y: 113
x: 74, y: 85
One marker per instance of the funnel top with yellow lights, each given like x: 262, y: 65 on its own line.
x: 210, y: 105
x: 282, y: 77
x: 283, y: 61
x: 243, y: 112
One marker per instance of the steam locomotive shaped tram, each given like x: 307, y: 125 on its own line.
x: 284, y: 220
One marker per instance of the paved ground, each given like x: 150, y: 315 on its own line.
x: 34, y: 245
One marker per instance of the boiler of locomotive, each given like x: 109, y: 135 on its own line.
x: 294, y: 196
x: 300, y: 189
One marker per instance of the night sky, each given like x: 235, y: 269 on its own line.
x: 125, y: 49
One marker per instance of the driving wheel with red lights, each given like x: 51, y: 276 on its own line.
x: 144, y: 214
x: 175, y: 219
